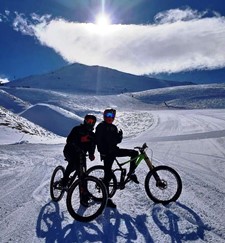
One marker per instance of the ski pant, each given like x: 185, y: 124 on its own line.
x: 108, y: 160
x: 77, y: 163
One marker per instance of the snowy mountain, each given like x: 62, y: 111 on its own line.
x: 34, y: 123
x: 92, y: 79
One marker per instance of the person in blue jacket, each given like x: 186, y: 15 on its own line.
x: 107, y: 139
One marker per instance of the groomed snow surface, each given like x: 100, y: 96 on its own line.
x: 192, y: 141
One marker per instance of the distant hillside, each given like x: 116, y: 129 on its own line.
x: 58, y: 112
x: 92, y: 79
x: 15, y: 128
x: 185, y: 97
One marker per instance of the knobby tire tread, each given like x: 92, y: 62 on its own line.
x: 178, y: 179
x: 104, y: 200
x: 56, y: 170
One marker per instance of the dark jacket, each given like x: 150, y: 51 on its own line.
x: 80, y: 140
x: 107, y: 138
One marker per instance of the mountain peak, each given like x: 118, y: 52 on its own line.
x: 92, y: 79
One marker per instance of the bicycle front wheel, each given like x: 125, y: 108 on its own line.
x: 163, y: 184
x: 95, y: 195
x: 98, y: 171
x: 56, y: 191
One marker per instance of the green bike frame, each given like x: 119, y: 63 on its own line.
x: 138, y: 159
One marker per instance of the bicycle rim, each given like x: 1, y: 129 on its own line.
x: 97, y: 199
x: 170, y: 188
x: 99, y: 172
x: 55, y: 191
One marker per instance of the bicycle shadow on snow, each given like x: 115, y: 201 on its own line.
x: 179, y: 222
x: 106, y: 228
x: 112, y: 226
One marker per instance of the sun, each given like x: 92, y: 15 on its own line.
x: 103, y: 20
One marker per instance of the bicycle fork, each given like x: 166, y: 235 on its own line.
x: 159, y: 182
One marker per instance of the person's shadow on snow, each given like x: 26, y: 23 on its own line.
x: 106, y: 228
x: 50, y: 226
x: 112, y: 226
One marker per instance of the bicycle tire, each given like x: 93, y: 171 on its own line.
x: 96, y: 190
x: 99, y: 172
x: 171, y: 188
x: 56, y: 192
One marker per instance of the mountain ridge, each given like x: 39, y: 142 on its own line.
x: 93, y: 79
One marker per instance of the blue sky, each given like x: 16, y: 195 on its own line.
x: 178, y: 40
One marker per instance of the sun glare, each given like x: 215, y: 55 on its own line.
x: 102, y: 20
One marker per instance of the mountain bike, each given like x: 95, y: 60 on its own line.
x: 162, y: 183
x: 79, y: 188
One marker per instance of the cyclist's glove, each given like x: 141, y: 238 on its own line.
x: 120, y: 135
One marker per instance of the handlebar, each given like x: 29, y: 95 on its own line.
x: 142, y: 149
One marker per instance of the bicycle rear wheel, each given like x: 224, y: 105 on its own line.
x: 99, y: 172
x: 56, y: 191
x: 163, y: 184
x: 97, y: 199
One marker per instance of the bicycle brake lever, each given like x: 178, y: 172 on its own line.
x: 137, y: 148
x: 144, y: 146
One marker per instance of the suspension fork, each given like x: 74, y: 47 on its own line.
x: 148, y: 161
x: 150, y: 166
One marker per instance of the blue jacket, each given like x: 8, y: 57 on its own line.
x: 107, y: 138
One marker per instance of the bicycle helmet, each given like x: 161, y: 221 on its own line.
x: 89, y: 121
x: 109, y: 115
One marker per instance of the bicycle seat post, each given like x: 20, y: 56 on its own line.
x: 123, y: 174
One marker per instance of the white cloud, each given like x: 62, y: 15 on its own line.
x: 21, y: 24
x: 179, y: 40
x: 174, y: 15
x: 3, y: 80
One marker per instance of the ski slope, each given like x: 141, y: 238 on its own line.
x: 191, y: 141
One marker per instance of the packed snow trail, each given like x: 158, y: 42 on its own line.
x: 190, y: 141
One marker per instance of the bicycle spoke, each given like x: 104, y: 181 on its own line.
x: 166, y: 188
x: 56, y: 191
x: 98, y: 172
x: 95, y: 199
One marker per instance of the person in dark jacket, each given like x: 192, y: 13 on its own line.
x: 79, y: 142
x: 107, y: 139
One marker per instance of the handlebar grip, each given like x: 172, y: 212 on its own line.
x: 144, y: 146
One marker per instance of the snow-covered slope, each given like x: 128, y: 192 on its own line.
x: 16, y: 129
x: 192, y: 141
x: 11, y: 102
x: 58, y: 111
x: 186, y: 97
x: 80, y: 78
x: 52, y: 118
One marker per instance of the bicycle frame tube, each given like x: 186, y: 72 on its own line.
x: 139, y: 158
